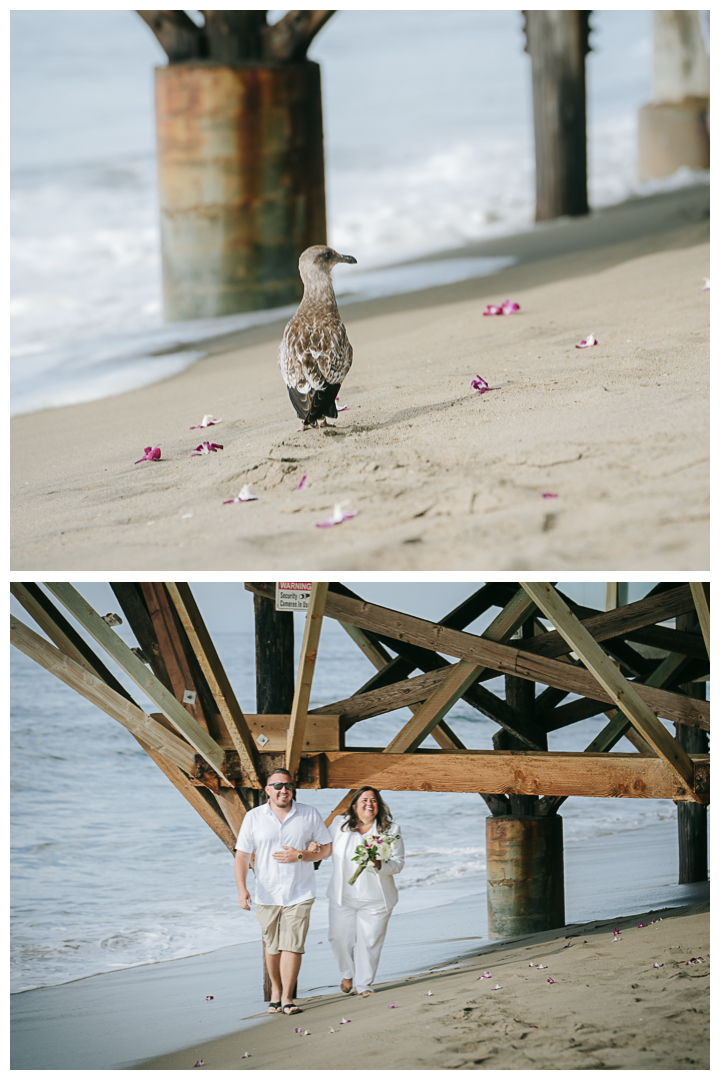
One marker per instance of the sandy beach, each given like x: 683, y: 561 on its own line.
x: 590, y: 458
x: 578, y: 999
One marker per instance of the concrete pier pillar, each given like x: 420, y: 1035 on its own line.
x: 673, y: 130
x: 241, y: 183
x: 525, y: 875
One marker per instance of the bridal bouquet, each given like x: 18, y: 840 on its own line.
x: 379, y: 847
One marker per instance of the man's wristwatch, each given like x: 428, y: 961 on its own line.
x: 300, y: 856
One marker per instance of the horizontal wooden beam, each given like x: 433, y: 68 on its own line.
x: 504, y: 659
x: 628, y: 776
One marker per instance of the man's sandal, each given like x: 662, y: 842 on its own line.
x: 274, y: 1006
x: 291, y: 1010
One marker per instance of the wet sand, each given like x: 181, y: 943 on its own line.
x: 591, y: 459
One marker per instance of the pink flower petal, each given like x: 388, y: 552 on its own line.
x: 641, y: 925
x: 209, y: 997
x: 337, y: 517
x: 302, y: 482
x: 244, y: 496
x: 344, y: 1021
x: 658, y: 965
x: 706, y: 286
x: 496, y: 987
x: 551, y: 980
x: 542, y: 967
x: 590, y: 340
x: 393, y: 1006
x: 246, y: 1054
x: 150, y: 454
x: 479, y: 384
x: 509, y: 307
x: 206, y: 448
x: 207, y: 421
x: 551, y: 495
x: 198, y: 1064
x: 340, y: 408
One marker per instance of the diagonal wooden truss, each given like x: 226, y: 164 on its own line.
x: 217, y: 756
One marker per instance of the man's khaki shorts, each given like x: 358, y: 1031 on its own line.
x: 284, y: 929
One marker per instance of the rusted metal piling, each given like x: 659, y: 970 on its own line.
x: 525, y: 875
x: 241, y: 183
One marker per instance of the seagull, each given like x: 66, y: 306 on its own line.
x: 315, y: 354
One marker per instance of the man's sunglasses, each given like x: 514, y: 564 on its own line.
x: 279, y: 787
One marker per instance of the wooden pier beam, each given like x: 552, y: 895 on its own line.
x: 306, y: 670
x: 558, y: 42
x: 692, y: 817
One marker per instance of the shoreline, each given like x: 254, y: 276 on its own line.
x: 468, y: 1019
x: 121, y: 1018
x: 529, y: 476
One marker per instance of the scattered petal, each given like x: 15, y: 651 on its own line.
x: 706, y: 286
x: 246, y: 1054
x: 150, y: 454
x: 344, y: 1021
x: 550, y: 495
x: 185, y: 516
x: 207, y: 421
x: 338, y: 515
x: 496, y: 987
x: 481, y: 386
x: 542, y: 967
x: 568, y: 945
x: 658, y: 965
x: 302, y: 482
x: 429, y: 993
x: 641, y: 925
x: 393, y: 1006
x: 209, y: 997
x: 589, y: 340
x: 340, y: 408
x: 532, y: 1025
x: 531, y: 964
x: 695, y: 960
x: 551, y: 980
x: 508, y: 307
x: 206, y: 448
x: 332, y: 1031
x: 198, y: 1064
x: 485, y: 975
x: 244, y: 496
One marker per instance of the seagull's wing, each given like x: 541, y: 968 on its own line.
x: 315, y: 352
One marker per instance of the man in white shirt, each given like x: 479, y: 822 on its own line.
x: 279, y: 834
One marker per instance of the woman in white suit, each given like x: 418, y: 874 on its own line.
x: 359, y: 913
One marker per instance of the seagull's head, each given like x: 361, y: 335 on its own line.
x: 320, y: 260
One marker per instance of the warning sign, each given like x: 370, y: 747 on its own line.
x: 292, y: 595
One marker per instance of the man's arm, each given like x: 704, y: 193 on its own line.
x: 313, y: 853
x: 242, y: 865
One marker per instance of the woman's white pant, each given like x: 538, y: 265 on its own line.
x: 357, y: 933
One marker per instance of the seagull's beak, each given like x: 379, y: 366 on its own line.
x: 347, y: 258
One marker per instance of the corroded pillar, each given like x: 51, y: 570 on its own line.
x: 525, y: 875
x: 674, y: 129
x: 241, y: 184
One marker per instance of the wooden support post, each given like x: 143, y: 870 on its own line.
x: 306, y: 669
x: 136, y: 669
x: 558, y: 42
x: 621, y: 691
x: 692, y: 817
x: 520, y: 694
x: 214, y: 672
x: 274, y: 675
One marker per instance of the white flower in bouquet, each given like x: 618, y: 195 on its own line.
x: 373, y: 848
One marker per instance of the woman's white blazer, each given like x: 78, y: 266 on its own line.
x: 341, y: 840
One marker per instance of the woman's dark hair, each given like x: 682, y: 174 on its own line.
x: 383, y: 818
